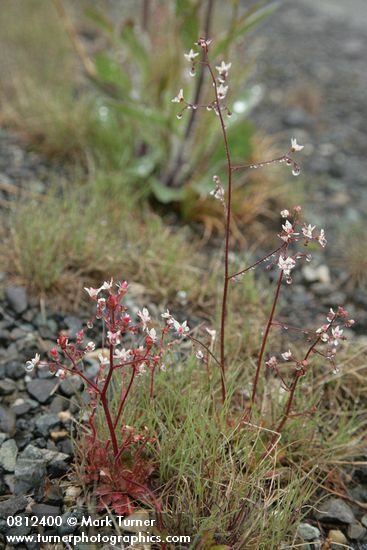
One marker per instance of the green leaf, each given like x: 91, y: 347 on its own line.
x: 142, y: 113
x: 188, y: 21
x: 239, y: 139
x: 97, y: 17
x: 109, y: 70
x: 134, y: 42
x: 220, y: 547
x: 166, y: 194
x: 243, y: 28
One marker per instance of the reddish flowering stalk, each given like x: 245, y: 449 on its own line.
x: 329, y: 334
x: 146, y: 355
x: 218, y: 107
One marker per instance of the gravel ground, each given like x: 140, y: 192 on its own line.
x: 312, y: 66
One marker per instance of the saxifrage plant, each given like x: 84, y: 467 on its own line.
x: 120, y: 464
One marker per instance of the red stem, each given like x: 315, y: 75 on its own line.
x: 227, y: 236
x: 298, y: 375
x: 265, y: 338
x: 257, y: 263
x: 121, y: 407
x: 110, y: 425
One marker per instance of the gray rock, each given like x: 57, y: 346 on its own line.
x: 320, y: 273
x: 17, y: 298
x: 47, y: 455
x: 45, y: 423
x: 3, y: 437
x: 41, y: 389
x: 16, y: 530
x: 7, y: 386
x: 8, y: 455
x: 356, y: 531
x: 23, y: 406
x: 308, y: 532
x: 297, y: 118
x: 15, y: 370
x: 29, y: 475
x: 41, y: 510
x: 71, y: 385
x: 335, y: 510
x: 59, y: 404
x: 65, y: 446
x: 12, y: 506
x: 74, y: 325
x: 7, y: 420
x: 10, y: 482
x: 64, y: 528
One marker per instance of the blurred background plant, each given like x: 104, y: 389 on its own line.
x: 93, y: 84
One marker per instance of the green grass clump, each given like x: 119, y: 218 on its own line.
x: 213, y: 477
x: 92, y: 233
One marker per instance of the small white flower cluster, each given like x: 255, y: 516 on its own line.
x: 220, y: 86
x: 179, y: 97
x: 272, y: 363
x: 30, y: 365
x: 289, y: 232
x: 93, y: 292
x: 145, y: 319
x: 336, y: 333
x: 295, y: 147
x: 286, y: 264
x: 172, y: 323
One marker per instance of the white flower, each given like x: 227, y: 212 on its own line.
x: 180, y: 328
x: 337, y: 333
x: 203, y: 43
x: 93, y: 292
x: 191, y: 55
x: 223, y: 69
x: 199, y: 354
x: 168, y: 316
x: 33, y: 362
x: 287, y: 355
x: 286, y: 264
x: 179, y: 98
x: 107, y: 285
x: 101, y: 303
x: 163, y: 367
x: 144, y: 316
x: 295, y: 146
x: 152, y: 333
x: 288, y: 228
x: 212, y: 333
x: 90, y: 346
x: 307, y: 231
x: 285, y: 213
x: 321, y: 238
x: 113, y: 337
x: 272, y: 362
x: 330, y: 315
x: 289, y: 231
x: 103, y: 360
x: 122, y: 354
x: 218, y: 193
x: 222, y: 91
x: 122, y: 287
